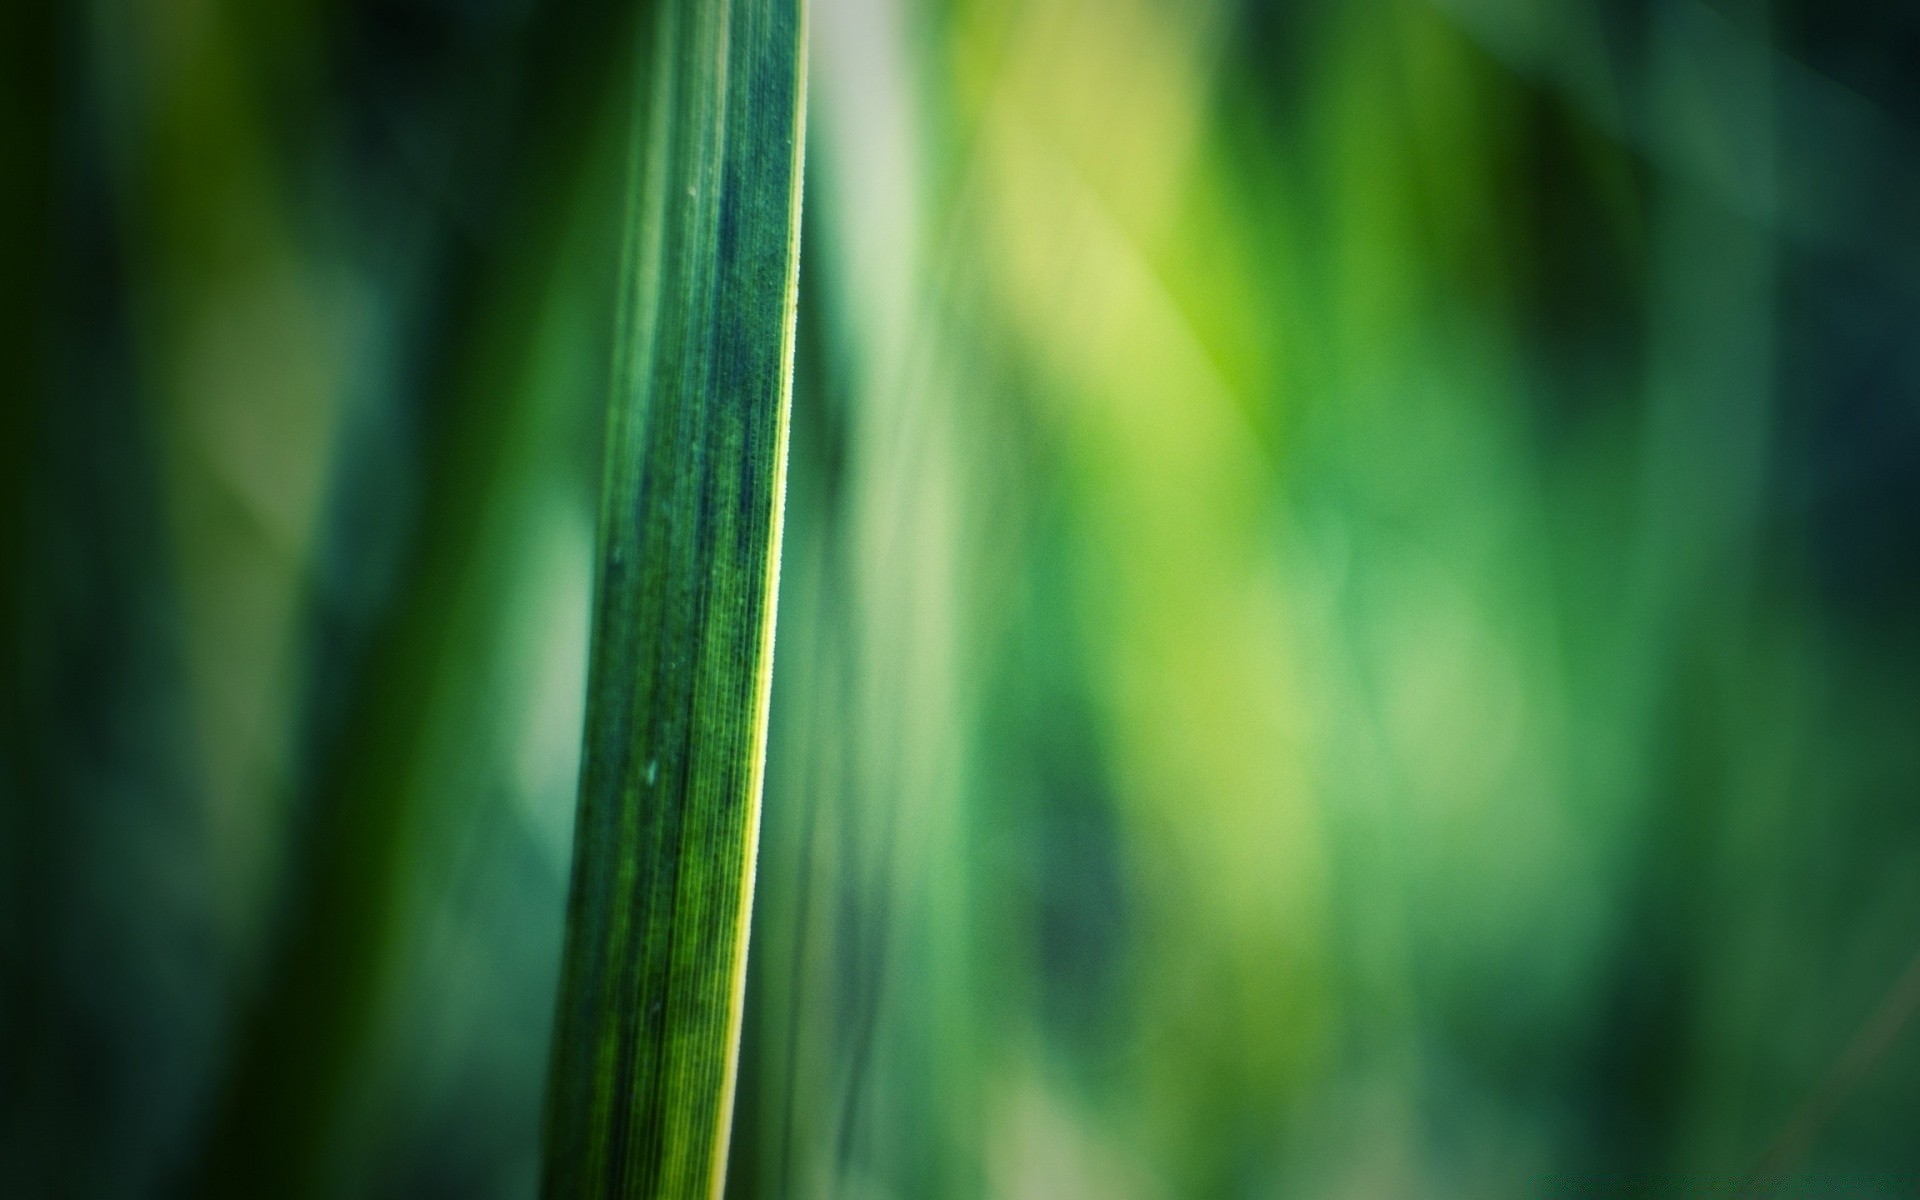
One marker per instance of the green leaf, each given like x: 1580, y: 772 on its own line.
x: 647, y: 1032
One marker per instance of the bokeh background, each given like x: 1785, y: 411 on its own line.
x: 1350, y: 621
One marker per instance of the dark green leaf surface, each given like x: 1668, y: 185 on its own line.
x: 648, y: 1024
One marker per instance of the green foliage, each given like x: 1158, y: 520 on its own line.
x: 649, y: 1016
x: 1349, y: 617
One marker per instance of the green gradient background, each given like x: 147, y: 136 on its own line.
x: 1350, y: 622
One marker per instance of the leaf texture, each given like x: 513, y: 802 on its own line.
x: 647, y: 1029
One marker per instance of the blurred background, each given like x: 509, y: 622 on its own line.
x: 1350, y: 622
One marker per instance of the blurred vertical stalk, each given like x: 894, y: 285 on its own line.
x: 647, y: 1029
x: 299, y: 1072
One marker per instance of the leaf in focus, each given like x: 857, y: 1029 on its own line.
x: 647, y: 1030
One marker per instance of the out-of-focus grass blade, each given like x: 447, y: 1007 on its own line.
x: 296, y: 1079
x: 646, y: 1038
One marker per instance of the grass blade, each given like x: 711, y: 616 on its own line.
x: 647, y: 1030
